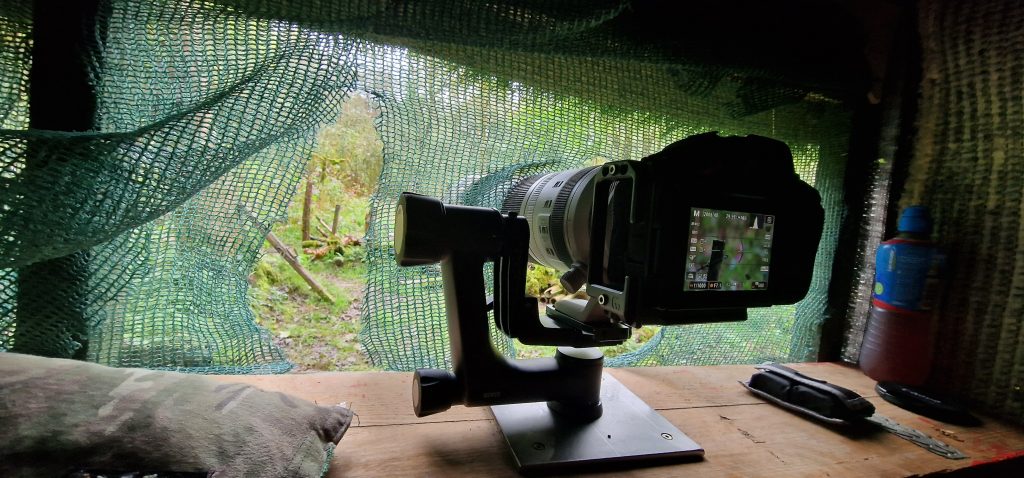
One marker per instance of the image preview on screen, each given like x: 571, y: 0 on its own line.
x: 728, y: 250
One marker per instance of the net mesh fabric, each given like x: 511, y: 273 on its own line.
x: 967, y: 168
x: 204, y: 122
x: 207, y: 111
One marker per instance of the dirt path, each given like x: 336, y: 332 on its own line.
x: 315, y: 335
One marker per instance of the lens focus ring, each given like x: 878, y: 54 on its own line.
x: 558, y: 216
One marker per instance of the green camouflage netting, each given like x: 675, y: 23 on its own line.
x: 131, y: 245
x: 968, y: 168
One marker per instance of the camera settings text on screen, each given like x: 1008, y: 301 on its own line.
x: 728, y: 250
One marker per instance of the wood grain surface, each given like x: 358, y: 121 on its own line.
x: 741, y: 434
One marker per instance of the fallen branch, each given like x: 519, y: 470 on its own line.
x: 292, y: 260
x: 323, y: 228
x: 325, y: 232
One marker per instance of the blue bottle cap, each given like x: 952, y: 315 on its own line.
x: 915, y: 219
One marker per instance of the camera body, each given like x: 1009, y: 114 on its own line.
x: 698, y: 232
x: 706, y: 202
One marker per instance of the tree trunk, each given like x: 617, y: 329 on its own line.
x: 51, y: 295
x: 307, y: 206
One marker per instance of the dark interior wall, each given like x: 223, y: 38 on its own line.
x: 968, y: 167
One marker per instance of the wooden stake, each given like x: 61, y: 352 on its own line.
x: 334, y: 224
x: 307, y: 206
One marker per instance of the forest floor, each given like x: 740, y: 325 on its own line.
x: 314, y: 334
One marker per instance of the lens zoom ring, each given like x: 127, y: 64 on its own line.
x: 514, y: 201
x: 557, y: 220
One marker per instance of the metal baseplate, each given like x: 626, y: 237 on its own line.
x: 628, y: 432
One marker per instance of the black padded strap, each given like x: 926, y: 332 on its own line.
x: 807, y: 395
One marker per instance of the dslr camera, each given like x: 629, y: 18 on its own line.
x: 697, y: 232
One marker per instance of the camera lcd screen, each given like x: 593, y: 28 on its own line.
x: 728, y: 250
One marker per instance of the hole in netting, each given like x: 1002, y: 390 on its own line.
x: 323, y: 231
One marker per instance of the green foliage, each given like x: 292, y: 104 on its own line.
x: 265, y: 275
x: 272, y: 272
x: 539, y: 279
x: 638, y: 339
x: 351, y: 221
x: 350, y: 149
x: 316, y: 334
x: 321, y: 336
x: 355, y: 254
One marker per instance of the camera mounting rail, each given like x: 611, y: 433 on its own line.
x: 589, y: 417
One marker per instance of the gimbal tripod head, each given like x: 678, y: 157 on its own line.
x: 743, y: 233
x: 462, y: 239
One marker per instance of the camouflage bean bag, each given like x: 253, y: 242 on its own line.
x: 68, y: 418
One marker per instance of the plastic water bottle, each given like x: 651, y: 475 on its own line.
x: 898, y: 341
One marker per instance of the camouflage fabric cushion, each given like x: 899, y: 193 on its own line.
x: 58, y: 417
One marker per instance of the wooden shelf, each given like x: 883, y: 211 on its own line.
x: 741, y: 434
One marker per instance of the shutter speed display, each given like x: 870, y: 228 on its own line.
x: 728, y: 250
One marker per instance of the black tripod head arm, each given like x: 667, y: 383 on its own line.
x: 463, y: 239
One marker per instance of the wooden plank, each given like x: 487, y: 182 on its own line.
x: 380, y: 398
x: 385, y: 398
x: 687, y: 387
x: 743, y: 436
x: 743, y: 440
x: 465, y: 448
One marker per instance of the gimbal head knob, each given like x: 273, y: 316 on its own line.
x: 417, y: 220
x: 427, y: 231
x: 434, y: 391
